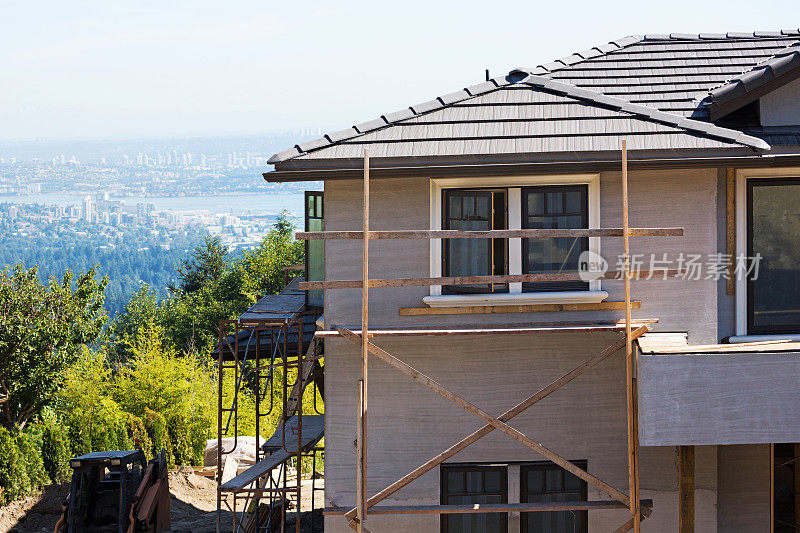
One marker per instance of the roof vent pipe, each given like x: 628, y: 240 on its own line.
x: 487, y: 75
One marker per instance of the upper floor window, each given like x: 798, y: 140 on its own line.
x: 542, y: 207
x: 773, y: 232
x: 554, y: 207
x: 475, y: 210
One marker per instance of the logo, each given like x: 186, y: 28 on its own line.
x: 591, y: 266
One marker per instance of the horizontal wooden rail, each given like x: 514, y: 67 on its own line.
x: 489, y: 330
x: 489, y: 234
x: 510, y: 308
x: 489, y: 508
x: 477, y: 280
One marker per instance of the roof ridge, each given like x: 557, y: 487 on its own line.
x: 772, y: 67
x: 647, y: 112
x: 472, y: 91
x: 577, y: 57
x: 719, y: 36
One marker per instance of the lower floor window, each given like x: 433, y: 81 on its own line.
x: 548, y: 483
x: 474, y: 484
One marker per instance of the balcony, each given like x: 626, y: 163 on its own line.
x: 717, y: 394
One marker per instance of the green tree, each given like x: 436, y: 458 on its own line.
x: 262, y: 268
x: 44, y: 326
x: 207, y: 264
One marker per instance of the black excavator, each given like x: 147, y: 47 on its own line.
x: 117, y: 492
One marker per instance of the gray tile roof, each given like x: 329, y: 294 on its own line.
x: 653, y: 90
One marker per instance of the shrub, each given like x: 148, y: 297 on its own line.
x: 137, y: 433
x: 55, y: 452
x: 157, y: 431
x: 21, y: 468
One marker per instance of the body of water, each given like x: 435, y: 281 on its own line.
x: 239, y: 204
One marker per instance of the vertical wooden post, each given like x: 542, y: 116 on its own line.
x: 360, y: 499
x: 686, y: 489
x: 630, y: 382
x: 361, y: 490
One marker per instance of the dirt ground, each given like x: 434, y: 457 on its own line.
x: 192, y: 507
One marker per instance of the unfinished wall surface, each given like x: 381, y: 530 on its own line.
x: 729, y: 398
x: 586, y: 420
x: 685, y: 198
x: 409, y: 424
x: 743, y: 501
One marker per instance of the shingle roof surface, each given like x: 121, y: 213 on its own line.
x: 578, y: 103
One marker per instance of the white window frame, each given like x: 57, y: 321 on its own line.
x: 514, y: 185
x: 742, y: 175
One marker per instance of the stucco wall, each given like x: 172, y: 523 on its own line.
x: 409, y: 424
x: 685, y: 198
x: 586, y: 420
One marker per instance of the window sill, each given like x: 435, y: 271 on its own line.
x: 735, y: 339
x: 525, y: 298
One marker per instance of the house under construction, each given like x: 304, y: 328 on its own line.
x: 596, y: 258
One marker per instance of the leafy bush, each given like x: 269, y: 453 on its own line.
x: 21, y: 468
x: 137, y: 434
x: 55, y: 452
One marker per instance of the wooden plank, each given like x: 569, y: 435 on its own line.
x: 433, y: 385
x: 444, y: 332
x: 488, y: 508
x: 730, y: 227
x: 362, y: 416
x: 755, y: 347
x: 529, y: 308
x: 360, y: 498
x: 686, y: 489
x: 505, y: 417
x: 489, y: 234
x: 633, y: 484
x: 471, y: 280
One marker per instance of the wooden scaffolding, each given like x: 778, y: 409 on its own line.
x: 630, y: 330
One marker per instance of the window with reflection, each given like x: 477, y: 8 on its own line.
x: 556, y: 207
x: 474, y: 484
x: 475, y: 210
x: 773, y: 232
x: 549, y: 483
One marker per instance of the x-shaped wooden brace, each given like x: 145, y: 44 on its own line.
x: 492, y: 422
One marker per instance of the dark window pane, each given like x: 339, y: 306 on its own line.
x: 536, y: 203
x: 554, y: 202
x: 536, y: 480
x: 774, y: 219
x: 572, y: 482
x: 566, y: 207
x: 455, y: 481
x: 555, y: 480
x: 492, y: 481
x: 474, y: 482
x: 573, y: 201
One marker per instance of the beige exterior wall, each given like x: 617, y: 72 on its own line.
x: 586, y: 420
x: 657, y: 198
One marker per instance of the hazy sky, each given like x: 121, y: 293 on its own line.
x: 141, y: 68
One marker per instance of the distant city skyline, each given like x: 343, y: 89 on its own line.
x: 98, y: 70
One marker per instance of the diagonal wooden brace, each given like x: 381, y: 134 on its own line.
x: 505, y: 417
x: 433, y: 385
